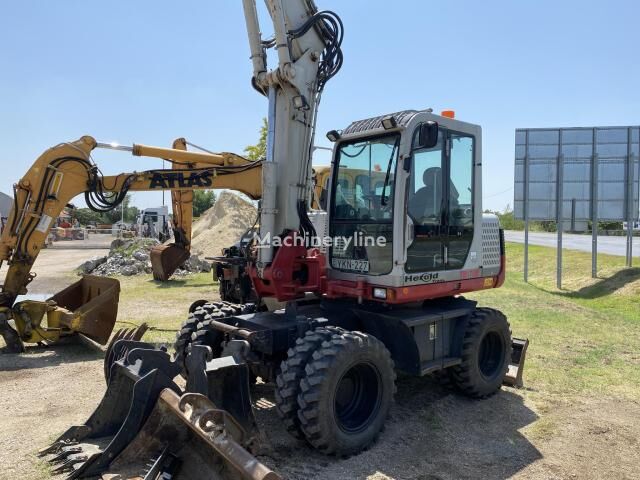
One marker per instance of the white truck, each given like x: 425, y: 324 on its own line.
x: 153, y: 223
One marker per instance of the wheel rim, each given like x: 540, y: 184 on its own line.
x: 357, y: 398
x: 491, y: 355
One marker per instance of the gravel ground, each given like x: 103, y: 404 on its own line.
x: 432, y: 433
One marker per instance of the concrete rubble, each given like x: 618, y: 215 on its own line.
x: 131, y: 257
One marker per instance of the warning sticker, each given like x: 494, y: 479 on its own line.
x: 43, y: 224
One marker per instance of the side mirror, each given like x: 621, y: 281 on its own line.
x: 428, y: 135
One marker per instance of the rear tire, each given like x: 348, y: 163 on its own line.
x: 292, y: 370
x: 346, y: 393
x: 205, y: 334
x: 198, y: 314
x: 183, y: 337
x: 486, y: 351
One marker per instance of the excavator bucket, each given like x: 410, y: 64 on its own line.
x: 143, y: 429
x: 88, y: 306
x: 225, y: 381
x: 165, y: 259
x: 134, y: 386
x: 188, y: 438
x: 117, y: 351
x: 516, y: 365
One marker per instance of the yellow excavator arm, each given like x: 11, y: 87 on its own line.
x: 67, y: 170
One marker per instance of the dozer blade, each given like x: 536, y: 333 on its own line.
x: 165, y: 259
x: 89, y: 306
x: 188, y: 438
x: 225, y: 381
x: 516, y: 365
x: 134, y: 387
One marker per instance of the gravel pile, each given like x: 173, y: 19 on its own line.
x: 131, y: 257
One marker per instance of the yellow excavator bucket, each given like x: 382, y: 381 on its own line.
x: 165, y: 259
x: 88, y: 306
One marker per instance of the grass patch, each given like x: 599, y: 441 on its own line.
x: 584, y: 338
x: 164, y: 306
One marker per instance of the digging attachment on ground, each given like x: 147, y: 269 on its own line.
x: 134, y: 387
x: 516, y: 365
x: 113, y: 353
x: 88, y: 306
x: 165, y: 259
x: 225, y: 381
x: 187, y: 438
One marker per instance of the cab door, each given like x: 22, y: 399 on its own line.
x: 439, y: 203
x: 425, y: 207
x: 459, y: 214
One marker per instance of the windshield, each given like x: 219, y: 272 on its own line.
x: 364, y: 184
x: 362, y: 206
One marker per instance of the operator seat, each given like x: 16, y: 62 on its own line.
x: 426, y: 201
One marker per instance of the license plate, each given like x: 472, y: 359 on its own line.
x: 350, y: 264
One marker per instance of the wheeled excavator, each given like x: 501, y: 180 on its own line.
x: 405, y: 239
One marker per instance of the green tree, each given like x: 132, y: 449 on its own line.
x: 508, y: 220
x: 115, y: 215
x: 259, y: 150
x: 130, y: 212
x: 86, y: 216
x: 203, y: 200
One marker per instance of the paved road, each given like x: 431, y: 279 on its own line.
x: 54, y: 268
x: 610, y: 245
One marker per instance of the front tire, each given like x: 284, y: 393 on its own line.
x: 486, y: 351
x: 346, y: 393
x: 292, y: 370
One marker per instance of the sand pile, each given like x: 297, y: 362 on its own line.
x: 222, y: 225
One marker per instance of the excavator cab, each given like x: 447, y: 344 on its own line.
x: 407, y: 194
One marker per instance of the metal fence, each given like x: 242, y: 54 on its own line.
x: 80, y: 238
x: 577, y: 175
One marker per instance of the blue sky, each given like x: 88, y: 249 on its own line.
x: 150, y: 71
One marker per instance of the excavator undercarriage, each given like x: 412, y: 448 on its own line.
x: 147, y: 425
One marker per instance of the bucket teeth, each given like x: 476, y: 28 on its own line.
x: 55, y: 447
x: 135, y: 383
x: 144, y: 424
x: 70, y: 464
x: 65, y: 452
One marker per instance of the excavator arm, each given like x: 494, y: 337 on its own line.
x: 67, y: 170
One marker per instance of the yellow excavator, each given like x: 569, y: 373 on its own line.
x: 89, y: 306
